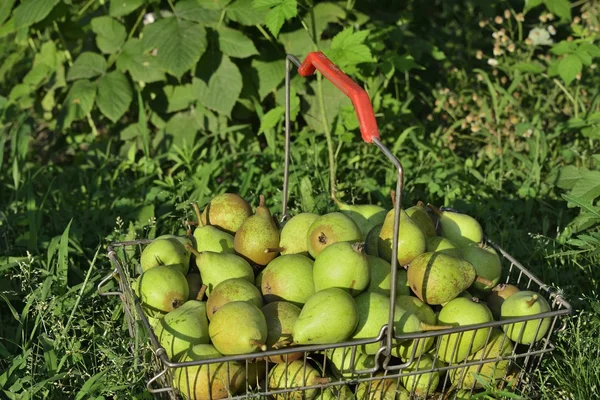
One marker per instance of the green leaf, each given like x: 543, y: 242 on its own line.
x: 560, y: 8
x: 5, y: 7
x: 110, y: 34
x: 224, y: 88
x: 235, y: 43
x: 213, y: 4
x: 563, y: 47
x: 568, y: 177
x: 183, y: 127
x: 533, y: 67
x: 529, y: 4
x: 270, y: 119
x: 180, y: 97
x: 590, y: 48
x: 191, y: 10
x: 583, y: 204
x: 142, y: 67
x: 114, y: 95
x: 78, y: 103
x: 569, y: 67
x: 585, y: 57
x: 62, y: 267
x: 31, y: 11
x: 179, y: 44
x: 119, y: 8
x: 270, y: 75
x: 242, y: 12
x: 324, y: 13
x: 347, y: 48
x: 87, y: 65
x: 281, y: 11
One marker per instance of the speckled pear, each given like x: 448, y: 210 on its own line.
x: 366, y: 216
x: 418, y: 213
x: 293, y: 234
x: 329, y: 229
x: 460, y: 228
x: 257, y: 239
x: 226, y: 211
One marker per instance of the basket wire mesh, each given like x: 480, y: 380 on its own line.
x: 248, y: 376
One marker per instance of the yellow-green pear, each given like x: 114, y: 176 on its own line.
x: 208, y: 381
x: 293, y: 234
x: 226, y: 211
x: 366, y: 216
x: 411, y: 240
x: 460, y: 228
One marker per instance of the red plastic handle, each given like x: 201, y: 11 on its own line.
x: 364, y: 110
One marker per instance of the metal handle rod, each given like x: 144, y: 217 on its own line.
x: 104, y: 281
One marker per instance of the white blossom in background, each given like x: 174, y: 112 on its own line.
x: 539, y: 36
x: 551, y: 30
x: 493, y: 62
x: 149, y: 19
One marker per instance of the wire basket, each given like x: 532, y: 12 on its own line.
x: 341, y: 370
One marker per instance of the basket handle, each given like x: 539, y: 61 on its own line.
x: 360, y: 99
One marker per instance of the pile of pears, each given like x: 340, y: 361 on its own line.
x: 243, y: 283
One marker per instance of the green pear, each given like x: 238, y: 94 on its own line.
x: 166, y: 251
x: 342, y: 362
x: 366, y: 216
x: 419, y: 214
x: 342, y: 265
x: 211, y: 238
x: 208, y: 381
x: 460, y: 311
x: 521, y: 304
x: 440, y: 244
x: 257, y: 239
x: 218, y: 267
x: 381, y: 276
x: 162, y: 289
x: 294, y: 375
x: 500, y: 293
x: 487, y: 264
x: 373, y: 313
x: 466, y: 295
x: 329, y: 229
x: 238, y: 327
x: 227, y: 212
x: 425, y: 383
x: 414, y: 305
x: 336, y: 393
x: 293, y: 234
x: 328, y: 316
x: 181, y: 239
x: 289, y: 278
x: 498, y: 346
x: 181, y: 329
x: 372, y: 240
x: 411, y: 239
x: 234, y: 289
x: 437, y: 278
x: 281, y: 317
x: 462, y: 229
x: 381, y: 389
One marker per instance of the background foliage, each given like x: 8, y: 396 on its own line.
x: 115, y: 115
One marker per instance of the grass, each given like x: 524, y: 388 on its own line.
x: 64, y: 198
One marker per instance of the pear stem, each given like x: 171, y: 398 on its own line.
x: 532, y: 301
x: 484, y: 281
x: 285, y: 343
x: 201, y: 292
x: 393, y: 196
x: 261, y: 201
x: 274, y: 249
x: 428, y: 327
x: 191, y: 223
x: 420, y: 203
x: 193, y: 250
x: 499, y: 287
x: 258, y: 344
x: 434, y: 209
x: 198, y: 213
x: 322, y: 381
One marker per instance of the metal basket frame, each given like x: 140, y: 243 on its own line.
x: 384, y: 362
